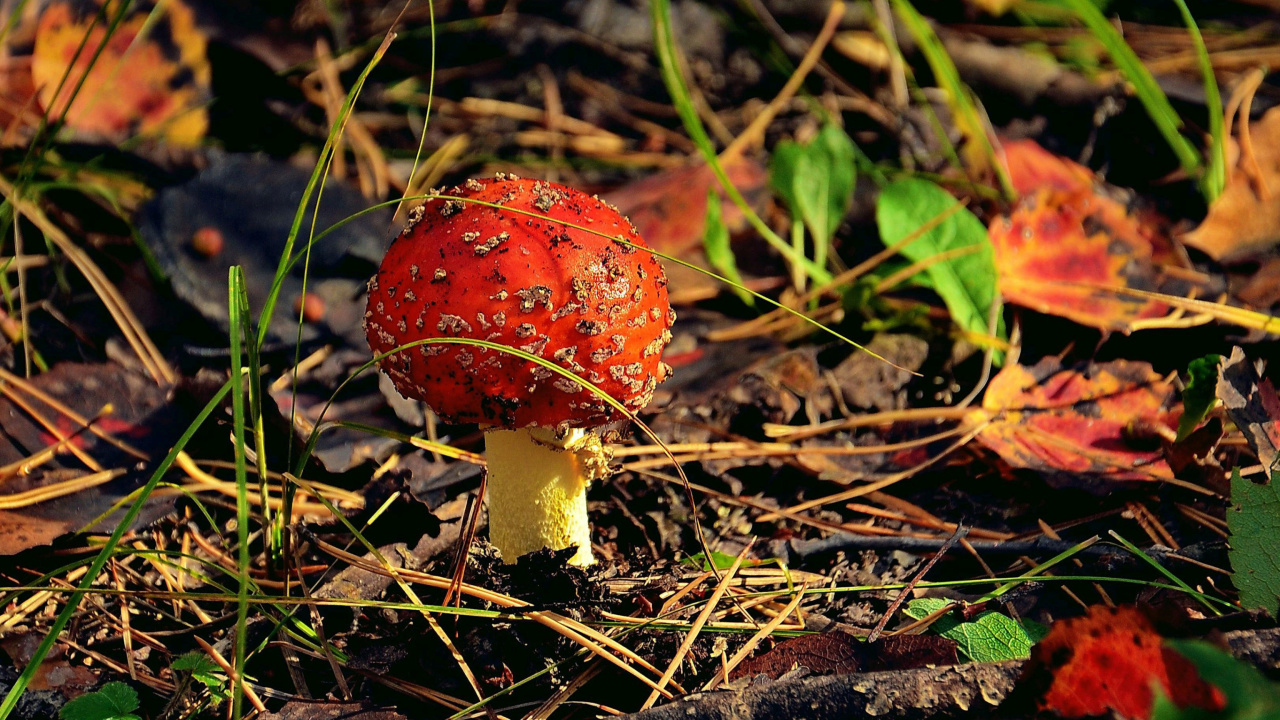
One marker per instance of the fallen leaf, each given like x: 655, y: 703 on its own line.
x: 142, y: 415
x: 1253, y: 405
x: 152, y: 84
x: 1250, y: 695
x: 1200, y: 394
x: 1108, y: 661
x: 966, y: 283
x: 238, y: 211
x: 1067, y: 231
x: 669, y: 209
x: 989, y: 637
x: 839, y: 653
x: 1078, y: 421
x: 1254, y: 521
x: 1245, y: 219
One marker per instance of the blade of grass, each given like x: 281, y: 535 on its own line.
x: 237, y: 302
x: 948, y: 78
x: 1160, y: 568
x: 673, y: 78
x: 1144, y: 83
x: 1215, y: 176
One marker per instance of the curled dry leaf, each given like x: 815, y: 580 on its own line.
x: 1108, y: 662
x: 1069, y: 231
x: 1245, y: 219
x: 1080, y: 421
x: 155, y: 83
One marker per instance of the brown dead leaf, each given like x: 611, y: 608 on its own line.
x: 839, y: 653
x: 1245, y: 219
x: 1253, y: 405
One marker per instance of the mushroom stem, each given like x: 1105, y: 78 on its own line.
x: 537, y: 487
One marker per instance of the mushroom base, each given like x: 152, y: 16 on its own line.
x: 537, y: 487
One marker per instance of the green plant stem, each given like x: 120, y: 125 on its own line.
x: 1215, y: 177
x: 673, y: 78
x: 1144, y: 83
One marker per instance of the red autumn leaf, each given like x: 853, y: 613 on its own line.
x: 138, y: 84
x: 1110, y: 661
x: 669, y: 209
x: 1079, y: 421
x: 1068, y: 241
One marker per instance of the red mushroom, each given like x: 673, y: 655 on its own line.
x: 517, y: 272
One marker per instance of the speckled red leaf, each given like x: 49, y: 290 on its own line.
x: 1109, y: 661
x: 669, y: 209
x: 154, y: 84
x: 1079, y: 421
x: 1069, y: 231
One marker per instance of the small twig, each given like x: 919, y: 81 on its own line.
x: 903, y: 594
x: 761, y: 634
x: 232, y: 678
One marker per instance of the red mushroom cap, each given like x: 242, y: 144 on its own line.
x: 518, y: 275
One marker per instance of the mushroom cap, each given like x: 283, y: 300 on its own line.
x: 519, y: 275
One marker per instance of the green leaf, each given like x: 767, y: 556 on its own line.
x: 816, y: 181
x: 967, y: 284
x: 1254, y: 522
x: 202, y: 669
x: 113, y: 701
x: 1250, y: 695
x: 715, y: 242
x: 990, y: 637
x: 722, y: 561
x: 1200, y: 395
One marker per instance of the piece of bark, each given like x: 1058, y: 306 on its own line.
x: 974, y: 690
x: 953, y: 691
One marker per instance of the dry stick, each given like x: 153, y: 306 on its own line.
x: 787, y: 451
x: 697, y: 626
x: 75, y: 417
x: 761, y: 634
x: 49, y: 426
x: 885, y: 481
x: 543, y: 711
x: 134, y: 333
x: 889, y: 417
x: 27, y: 498
x: 570, y: 629
x: 126, y: 631
x: 318, y: 622
x: 678, y: 595
x: 958, y: 535
x: 23, y: 308
x: 232, y: 678
x: 413, y: 597
x: 755, y: 131
x: 916, y: 267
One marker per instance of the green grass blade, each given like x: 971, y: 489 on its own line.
x: 1144, y: 83
x: 948, y: 78
x: 673, y: 78
x: 1160, y: 568
x: 236, y: 302
x: 1215, y: 176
